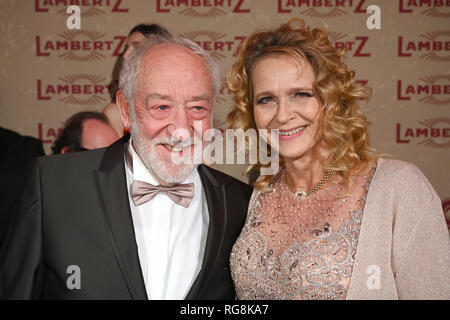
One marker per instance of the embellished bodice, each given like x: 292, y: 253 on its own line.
x: 299, y: 248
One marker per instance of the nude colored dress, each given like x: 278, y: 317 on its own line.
x: 299, y: 248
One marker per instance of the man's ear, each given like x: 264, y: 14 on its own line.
x: 124, y: 108
x: 64, y: 149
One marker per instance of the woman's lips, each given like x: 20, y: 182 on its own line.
x: 291, y: 134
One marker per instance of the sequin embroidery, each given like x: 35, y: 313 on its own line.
x: 294, y: 248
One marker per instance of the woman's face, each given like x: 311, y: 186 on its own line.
x: 284, y: 99
x: 132, y: 41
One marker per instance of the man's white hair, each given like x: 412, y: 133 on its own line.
x: 129, y: 80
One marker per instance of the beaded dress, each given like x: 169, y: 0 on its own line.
x: 295, y: 247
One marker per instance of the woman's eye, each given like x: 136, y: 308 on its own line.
x: 302, y: 94
x: 264, y: 100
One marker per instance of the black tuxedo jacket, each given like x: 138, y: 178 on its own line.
x: 16, y: 151
x: 74, y: 211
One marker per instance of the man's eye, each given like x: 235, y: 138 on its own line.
x: 264, y: 100
x: 163, y: 107
x: 198, y: 108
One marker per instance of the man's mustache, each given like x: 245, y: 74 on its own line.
x: 175, y: 142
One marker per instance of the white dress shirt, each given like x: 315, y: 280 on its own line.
x: 170, y: 238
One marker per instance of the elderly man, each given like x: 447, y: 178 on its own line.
x: 126, y: 222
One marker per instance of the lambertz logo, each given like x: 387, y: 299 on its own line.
x: 434, y: 133
x: 78, y: 89
x: 435, y: 89
x: 48, y: 134
x: 202, y: 8
x: 434, y: 47
x: 89, y: 8
x: 323, y: 8
x: 356, y: 46
x: 433, y: 8
x: 218, y: 44
x: 81, y: 45
x: 361, y: 82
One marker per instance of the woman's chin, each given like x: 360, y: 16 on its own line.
x: 292, y: 153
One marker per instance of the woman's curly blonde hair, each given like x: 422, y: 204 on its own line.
x: 343, y: 128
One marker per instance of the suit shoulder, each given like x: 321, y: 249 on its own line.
x: 18, y: 149
x: 33, y: 145
x: 7, y: 135
x: 85, y: 159
x: 15, y: 138
x: 31, y: 140
x: 226, y: 179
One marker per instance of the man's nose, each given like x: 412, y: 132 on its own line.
x: 181, y: 127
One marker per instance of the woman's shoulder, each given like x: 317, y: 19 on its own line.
x: 403, y: 176
x: 397, y: 168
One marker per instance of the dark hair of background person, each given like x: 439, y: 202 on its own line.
x: 71, y: 134
x: 145, y: 29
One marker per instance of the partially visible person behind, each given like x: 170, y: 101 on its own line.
x: 87, y: 130
x: 337, y: 221
x: 140, y: 32
x: 16, y: 151
x: 136, y: 35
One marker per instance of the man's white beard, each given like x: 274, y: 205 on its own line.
x: 152, y: 156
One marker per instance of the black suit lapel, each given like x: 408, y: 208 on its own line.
x: 217, y: 207
x: 113, y: 194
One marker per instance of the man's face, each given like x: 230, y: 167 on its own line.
x: 97, y: 134
x: 175, y: 90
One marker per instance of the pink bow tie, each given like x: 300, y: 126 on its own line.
x: 181, y: 194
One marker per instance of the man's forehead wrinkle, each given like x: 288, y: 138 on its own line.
x: 168, y: 51
x: 194, y: 98
x: 155, y: 95
x: 164, y: 51
x: 200, y: 97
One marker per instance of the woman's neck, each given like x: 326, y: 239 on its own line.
x: 305, y: 172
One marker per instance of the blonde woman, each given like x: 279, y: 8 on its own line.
x: 336, y: 222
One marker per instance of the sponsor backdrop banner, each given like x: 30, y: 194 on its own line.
x: 49, y: 72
